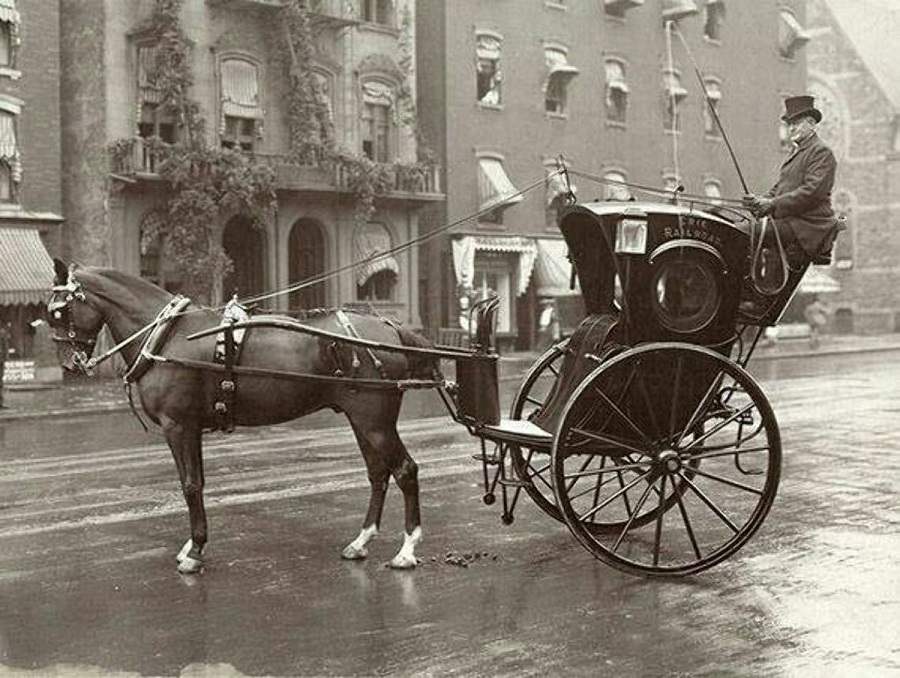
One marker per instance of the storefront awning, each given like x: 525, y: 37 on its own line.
x: 494, y: 186
x: 8, y: 11
x: 464, y: 250
x: 816, y: 281
x: 26, y: 269
x: 553, y: 270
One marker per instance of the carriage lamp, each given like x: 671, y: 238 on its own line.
x: 631, y: 236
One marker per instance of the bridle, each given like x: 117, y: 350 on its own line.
x: 81, y: 344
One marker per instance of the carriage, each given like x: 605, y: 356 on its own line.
x: 642, y: 431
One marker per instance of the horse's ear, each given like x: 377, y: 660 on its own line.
x: 61, y: 272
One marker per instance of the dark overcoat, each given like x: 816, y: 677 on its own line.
x: 802, y: 195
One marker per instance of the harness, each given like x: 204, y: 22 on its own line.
x: 344, y: 321
x: 227, y: 353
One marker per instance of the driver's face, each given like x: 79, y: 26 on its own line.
x: 799, y: 129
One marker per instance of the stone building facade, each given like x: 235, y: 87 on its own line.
x: 240, y: 72
x: 855, y: 76
x: 506, y: 87
x: 30, y: 163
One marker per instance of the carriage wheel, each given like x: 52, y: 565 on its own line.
x: 660, y: 427
x: 531, y: 465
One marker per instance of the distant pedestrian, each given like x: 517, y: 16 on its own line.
x: 816, y: 314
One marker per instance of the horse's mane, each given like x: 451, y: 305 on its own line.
x: 115, y: 286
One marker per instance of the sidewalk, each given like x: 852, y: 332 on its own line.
x: 97, y: 396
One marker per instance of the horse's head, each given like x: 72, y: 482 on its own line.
x: 74, y: 323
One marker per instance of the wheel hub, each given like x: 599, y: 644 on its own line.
x: 669, y: 461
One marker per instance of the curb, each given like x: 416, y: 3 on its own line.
x: 111, y: 407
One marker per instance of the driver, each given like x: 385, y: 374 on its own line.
x: 800, y: 201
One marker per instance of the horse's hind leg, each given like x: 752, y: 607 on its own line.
x: 379, y: 475
x: 185, y: 441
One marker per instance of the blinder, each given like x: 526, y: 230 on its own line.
x: 61, y: 315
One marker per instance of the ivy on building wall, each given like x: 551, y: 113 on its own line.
x: 204, y: 183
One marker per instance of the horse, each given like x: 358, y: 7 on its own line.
x: 181, y: 400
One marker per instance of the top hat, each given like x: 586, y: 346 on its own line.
x: 794, y: 107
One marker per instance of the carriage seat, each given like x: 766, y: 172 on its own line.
x: 519, y: 431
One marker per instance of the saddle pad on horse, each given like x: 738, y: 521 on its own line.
x: 585, y: 346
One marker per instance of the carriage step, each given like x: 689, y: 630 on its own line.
x: 512, y: 482
x: 490, y: 459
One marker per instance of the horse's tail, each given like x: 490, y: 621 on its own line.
x: 420, y: 366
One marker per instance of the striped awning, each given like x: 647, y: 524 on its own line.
x: 370, y: 242
x: 464, y: 250
x: 494, y: 186
x: 553, y: 270
x: 26, y: 269
x: 8, y: 11
x: 240, y: 89
x: 149, y: 92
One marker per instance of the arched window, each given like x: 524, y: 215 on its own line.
x: 306, y: 260
x: 714, y: 92
x: 559, y: 74
x: 616, y: 91
x: 488, y: 76
x: 791, y: 35
x: 156, y: 264
x: 376, y: 279
x: 242, y: 113
x: 712, y: 189
x: 245, y: 246
x: 378, y: 121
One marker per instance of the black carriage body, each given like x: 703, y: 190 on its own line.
x: 681, y: 282
x: 684, y: 284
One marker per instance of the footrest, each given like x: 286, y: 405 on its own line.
x: 512, y: 482
x: 489, y: 459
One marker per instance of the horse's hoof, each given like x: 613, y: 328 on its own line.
x: 182, y: 554
x: 188, y: 565
x: 352, y: 552
x: 403, y: 562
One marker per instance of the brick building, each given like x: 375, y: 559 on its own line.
x: 238, y: 62
x: 855, y: 76
x: 30, y: 162
x: 507, y: 86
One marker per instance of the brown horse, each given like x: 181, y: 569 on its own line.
x: 181, y: 400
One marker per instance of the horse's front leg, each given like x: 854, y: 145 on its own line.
x: 406, y: 473
x: 185, y: 441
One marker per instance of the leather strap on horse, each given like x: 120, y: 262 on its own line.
x: 348, y: 328
x: 224, y: 405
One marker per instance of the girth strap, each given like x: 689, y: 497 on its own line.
x: 227, y: 352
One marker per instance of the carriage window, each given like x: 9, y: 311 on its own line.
x: 488, y: 75
x: 685, y: 291
x: 715, y: 14
x: 674, y: 93
x: 714, y: 91
x: 616, y: 91
x: 791, y: 35
x: 559, y: 74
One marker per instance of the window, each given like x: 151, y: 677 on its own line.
x: 495, y: 190
x: 615, y: 186
x: 715, y: 15
x: 377, y: 123
x: 9, y: 35
x: 488, y: 75
x: 493, y: 278
x: 791, y: 35
x: 671, y: 182
x: 376, y: 279
x: 378, y: 12
x: 616, y: 91
x: 712, y: 189
x: 153, y: 119
x: 714, y: 92
x: 673, y: 10
x: 155, y: 265
x: 240, y: 126
x: 617, y: 8
x: 10, y: 165
x: 559, y: 75
x: 673, y: 95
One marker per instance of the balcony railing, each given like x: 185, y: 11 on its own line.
x: 347, y: 10
x: 136, y: 157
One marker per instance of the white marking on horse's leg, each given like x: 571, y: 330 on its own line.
x: 356, y: 549
x: 182, y: 554
x: 406, y: 556
x: 190, y: 565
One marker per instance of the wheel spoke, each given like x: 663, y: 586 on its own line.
x: 727, y: 481
x: 706, y: 500
x: 609, y: 440
x: 595, y: 489
x: 625, y: 494
x: 659, y: 518
x: 632, y: 516
x: 687, y: 526
x: 534, y: 401
x: 624, y: 417
x: 598, y: 486
x: 726, y: 453
x: 608, y: 469
x: 718, y: 427
x: 575, y: 478
x: 702, y: 405
x: 612, y: 497
x: 675, y: 402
